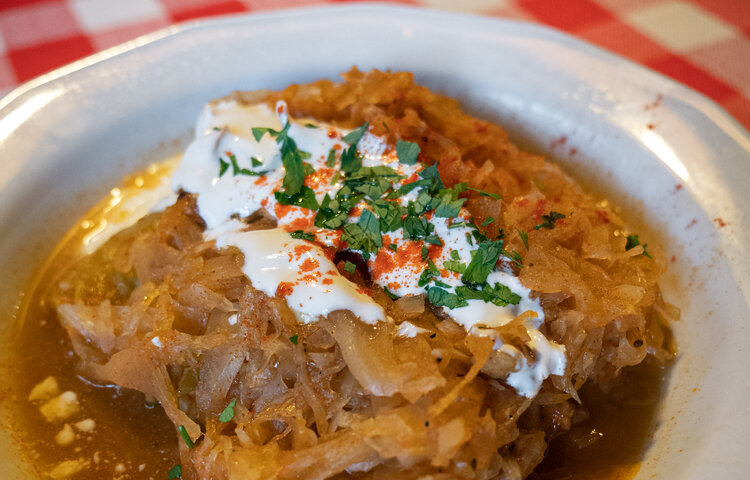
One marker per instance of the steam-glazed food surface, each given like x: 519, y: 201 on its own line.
x: 355, y: 280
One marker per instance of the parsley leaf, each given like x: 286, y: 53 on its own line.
x: 389, y: 214
x: 449, y: 205
x: 487, y: 221
x: 364, y: 235
x: 350, y: 160
x: 433, y: 240
x: 185, y: 437
x: 404, y: 189
x: 393, y: 247
x: 443, y: 298
x: 633, y: 242
x: 236, y: 170
x: 486, y: 194
x: 548, y: 221
x: 334, y: 212
x: 416, y: 227
x: 222, y: 167
x: 305, y: 198
x: 428, y: 274
x: 353, y: 137
x: 390, y: 294
x: 291, y: 158
x: 524, y: 238
x: 454, y: 266
x: 175, y: 472
x: 300, y: 235
x: 258, y: 132
x: 255, y: 162
x: 497, y: 294
x: 228, y: 414
x: 407, y: 152
x: 482, y: 262
x: 425, y: 252
x: 431, y: 173
x: 350, y: 267
x: 294, y: 339
x: 331, y: 160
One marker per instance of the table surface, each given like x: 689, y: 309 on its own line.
x: 704, y: 44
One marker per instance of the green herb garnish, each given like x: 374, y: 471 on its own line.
x: 294, y: 339
x: 364, y: 235
x: 300, y: 235
x: 228, y: 414
x: 184, y: 434
x: 407, y: 152
x: 548, y: 221
x: 524, y: 237
x: 350, y: 267
x: 486, y: 194
x: 633, y: 242
x: 482, y: 262
x: 331, y: 160
x: 353, y: 137
x: 175, y: 472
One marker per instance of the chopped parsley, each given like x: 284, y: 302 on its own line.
x: 294, y: 339
x: 454, y: 266
x: 228, y: 414
x: 353, y: 137
x: 524, y: 237
x: 548, y: 221
x: 291, y: 157
x: 497, y: 294
x: 373, y: 190
x: 175, y: 472
x: 305, y: 198
x: 443, y: 298
x: 448, y: 205
x: 364, y: 235
x: 407, y: 152
x: 486, y: 194
x: 185, y: 437
x: 259, y: 132
x: 300, y: 235
x: 458, y: 225
x: 331, y: 160
x: 428, y: 274
x: 633, y: 242
x: 236, y: 170
x: 390, y: 294
x: 483, y: 262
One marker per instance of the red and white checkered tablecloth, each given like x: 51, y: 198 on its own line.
x: 702, y: 43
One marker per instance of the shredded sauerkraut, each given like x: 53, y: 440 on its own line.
x: 261, y: 395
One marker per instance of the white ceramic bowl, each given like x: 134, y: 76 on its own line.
x: 68, y: 137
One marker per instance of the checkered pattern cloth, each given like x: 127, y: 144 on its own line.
x: 702, y: 43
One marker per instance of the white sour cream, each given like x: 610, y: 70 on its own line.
x: 299, y: 270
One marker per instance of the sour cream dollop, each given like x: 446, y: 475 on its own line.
x: 235, y: 166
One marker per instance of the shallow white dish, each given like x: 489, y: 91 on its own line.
x: 68, y: 137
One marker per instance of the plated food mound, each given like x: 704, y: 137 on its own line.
x: 359, y: 280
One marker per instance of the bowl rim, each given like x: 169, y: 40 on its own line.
x: 698, y: 100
